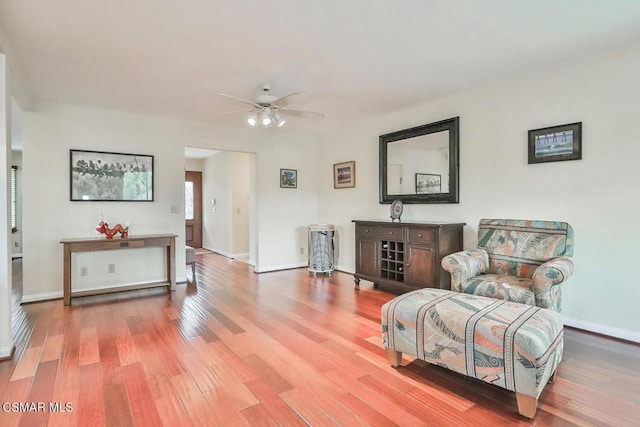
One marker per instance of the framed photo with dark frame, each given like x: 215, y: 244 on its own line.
x: 288, y: 178
x: 428, y: 183
x: 101, y: 176
x: 344, y: 174
x: 555, y: 143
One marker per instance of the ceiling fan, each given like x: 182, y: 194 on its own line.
x: 268, y: 109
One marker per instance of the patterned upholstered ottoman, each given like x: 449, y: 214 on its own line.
x: 512, y: 345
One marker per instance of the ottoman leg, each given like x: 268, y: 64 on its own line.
x: 527, y: 405
x: 394, y: 357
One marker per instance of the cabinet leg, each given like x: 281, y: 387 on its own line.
x: 357, y: 281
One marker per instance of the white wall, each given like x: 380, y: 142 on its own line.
x: 240, y: 195
x: 195, y: 165
x: 598, y: 195
x: 226, y: 179
x: 49, y: 216
x: 216, y: 188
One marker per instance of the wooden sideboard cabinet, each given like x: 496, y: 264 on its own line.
x: 401, y: 257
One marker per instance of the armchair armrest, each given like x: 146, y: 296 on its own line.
x: 465, y: 265
x: 545, y: 279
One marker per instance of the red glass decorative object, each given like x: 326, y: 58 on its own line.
x: 103, y: 228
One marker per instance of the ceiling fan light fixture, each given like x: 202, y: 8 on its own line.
x: 252, y: 119
x: 280, y: 121
x: 265, y: 109
x: 265, y: 118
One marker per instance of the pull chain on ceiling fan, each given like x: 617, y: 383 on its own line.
x: 268, y: 109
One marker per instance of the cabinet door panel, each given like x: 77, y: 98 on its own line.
x: 367, y: 257
x: 420, y: 267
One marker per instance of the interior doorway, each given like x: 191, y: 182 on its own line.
x: 229, y: 211
x: 193, y: 208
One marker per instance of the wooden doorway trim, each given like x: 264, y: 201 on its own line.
x: 193, y: 227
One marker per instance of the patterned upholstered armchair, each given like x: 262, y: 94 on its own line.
x: 516, y: 260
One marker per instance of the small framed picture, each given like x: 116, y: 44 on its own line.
x: 344, y: 174
x: 428, y: 183
x: 555, y: 143
x: 288, y: 178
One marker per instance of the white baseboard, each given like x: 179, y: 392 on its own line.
x: 228, y: 254
x: 219, y: 252
x: 280, y: 267
x: 240, y: 255
x: 6, y: 350
x: 345, y: 269
x: 41, y: 297
x: 602, y: 329
x: 59, y: 294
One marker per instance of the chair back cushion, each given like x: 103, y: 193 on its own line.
x: 518, y: 247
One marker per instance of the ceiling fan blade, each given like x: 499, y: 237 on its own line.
x: 239, y: 99
x: 283, y: 101
x: 231, y: 112
x: 305, y: 114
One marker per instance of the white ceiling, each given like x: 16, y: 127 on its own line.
x: 353, y: 58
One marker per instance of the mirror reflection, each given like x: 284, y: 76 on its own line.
x: 420, y: 164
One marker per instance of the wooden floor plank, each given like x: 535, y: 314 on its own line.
x: 41, y: 393
x: 27, y: 364
x: 126, y: 347
x: 89, y: 347
x: 239, y: 394
x: 67, y: 415
x: 191, y: 399
x: 15, y: 392
x: 275, y: 349
x: 271, y: 405
x: 143, y: 407
x: 52, y: 348
x: 171, y: 411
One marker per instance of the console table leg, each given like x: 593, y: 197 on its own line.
x: 66, y: 286
x: 171, y: 264
x: 357, y: 282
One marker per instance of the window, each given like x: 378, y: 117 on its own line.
x: 188, y: 200
x: 14, y: 195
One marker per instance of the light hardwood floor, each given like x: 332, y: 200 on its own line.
x: 281, y: 348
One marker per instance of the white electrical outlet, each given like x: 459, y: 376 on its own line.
x: 301, y: 251
x: 84, y: 271
x: 111, y: 268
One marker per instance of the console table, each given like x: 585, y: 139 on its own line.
x: 167, y: 241
x: 403, y: 256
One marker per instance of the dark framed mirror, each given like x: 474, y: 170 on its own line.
x: 421, y: 164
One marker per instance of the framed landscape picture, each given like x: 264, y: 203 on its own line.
x: 100, y: 176
x: 344, y: 174
x: 428, y: 183
x: 555, y: 143
x: 288, y: 178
